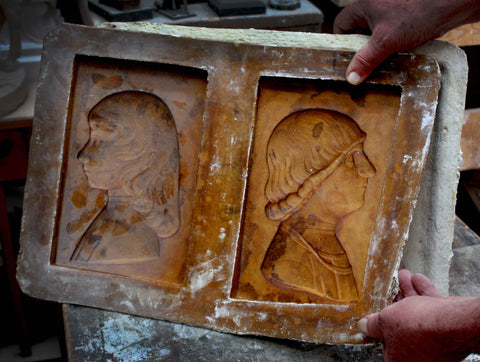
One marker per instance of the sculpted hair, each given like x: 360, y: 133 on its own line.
x: 304, y: 149
x: 147, y: 145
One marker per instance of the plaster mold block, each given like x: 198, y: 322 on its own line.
x: 231, y: 180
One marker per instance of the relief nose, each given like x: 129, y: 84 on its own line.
x: 84, y: 155
x: 363, y: 164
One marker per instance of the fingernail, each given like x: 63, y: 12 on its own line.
x: 362, y: 325
x: 353, y: 78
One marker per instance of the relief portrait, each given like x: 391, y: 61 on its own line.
x: 317, y: 174
x: 132, y: 154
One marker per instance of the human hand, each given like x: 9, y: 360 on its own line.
x: 398, y: 25
x: 423, y: 326
x: 415, y: 285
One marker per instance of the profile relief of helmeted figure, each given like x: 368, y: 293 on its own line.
x: 318, y: 174
x: 132, y: 154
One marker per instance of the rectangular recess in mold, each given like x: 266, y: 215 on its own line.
x: 121, y: 175
x: 303, y: 127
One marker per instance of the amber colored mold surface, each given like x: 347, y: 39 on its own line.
x: 235, y: 185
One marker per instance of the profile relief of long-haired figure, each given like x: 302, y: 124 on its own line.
x: 132, y: 154
x: 318, y: 174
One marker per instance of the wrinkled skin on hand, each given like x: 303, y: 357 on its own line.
x: 424, y: 326
x: 398, y: 25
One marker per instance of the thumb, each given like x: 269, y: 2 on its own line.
x: 367, y: 59
x: 369, y: 326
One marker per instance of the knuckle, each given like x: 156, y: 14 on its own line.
x: 386, y: 318
x: 382, y: 320
x: 364, y: 61
x: 384, y: 39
